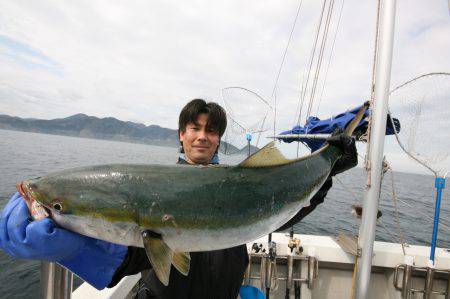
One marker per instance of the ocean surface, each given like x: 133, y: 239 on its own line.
x: 26, y: 155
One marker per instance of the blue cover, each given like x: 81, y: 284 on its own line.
x: 314, y: 125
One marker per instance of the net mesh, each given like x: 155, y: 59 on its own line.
x: 248, y: 115
x: 423, y: 107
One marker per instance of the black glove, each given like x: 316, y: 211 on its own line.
x: 347, y: 145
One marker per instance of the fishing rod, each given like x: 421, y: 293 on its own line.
x: 306, y: 136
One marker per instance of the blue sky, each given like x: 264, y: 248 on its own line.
x: 141, y: 61
x: 25, y: 56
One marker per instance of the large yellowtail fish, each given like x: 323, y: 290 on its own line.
x: 173, y: 210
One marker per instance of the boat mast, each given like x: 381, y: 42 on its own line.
x: 376, y: 145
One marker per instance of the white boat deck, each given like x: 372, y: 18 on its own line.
x: 335, y: 272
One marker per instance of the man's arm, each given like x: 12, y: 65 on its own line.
x: 348, y: 160
x: 135, y: 261
x: 317, y: 199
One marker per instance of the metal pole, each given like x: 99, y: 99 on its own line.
x: 56, y: 281
x: 377, y: 134
x: 439, y: 184
x: 248, y: 136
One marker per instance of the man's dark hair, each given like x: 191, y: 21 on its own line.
x: 217, y: 118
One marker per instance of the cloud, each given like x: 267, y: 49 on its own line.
x: 142, y: 60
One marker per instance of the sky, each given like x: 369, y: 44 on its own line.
x: 142, y: 61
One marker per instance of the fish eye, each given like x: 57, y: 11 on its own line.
x: 57, y: 206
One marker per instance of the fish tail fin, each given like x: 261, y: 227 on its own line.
x: 358, y: 117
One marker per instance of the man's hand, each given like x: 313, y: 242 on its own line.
x: 93, y: 260
x: 21, y: 237
x: 349, y: 157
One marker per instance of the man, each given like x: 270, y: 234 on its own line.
x: 214, y: 274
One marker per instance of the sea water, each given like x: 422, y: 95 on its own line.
x: 26, y: 155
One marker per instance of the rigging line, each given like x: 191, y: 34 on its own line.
x: 355, y: 197
x: 331, y: 56
x: 311, y: 60
x: 298, y: 109
x: 262, y: 125
x: 397, y: 218
x: 393, y: 237
x: 286, y: 48
x: 281, y: 66
x: 423, y: 214
x: 372, y: 95
x: 321, y: 54
x: 320, y: 58
x: 375, y: 51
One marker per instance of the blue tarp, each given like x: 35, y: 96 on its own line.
x: 315, y: 125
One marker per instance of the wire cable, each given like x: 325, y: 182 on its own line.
x: 331, y: 56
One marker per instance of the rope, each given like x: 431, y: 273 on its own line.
x: 331, y: 55
x: 320, y: 58
x: 286, y: 48
x: 393, y: 237
x: 367, y: 165
x: 423, y: 214
x: 355, y: 197
x: 394, y: 200
x: 313, y: 51
x: 281, y: 67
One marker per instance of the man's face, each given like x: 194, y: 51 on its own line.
x: 199, y: 142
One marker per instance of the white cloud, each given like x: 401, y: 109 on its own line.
x: 142, y: 60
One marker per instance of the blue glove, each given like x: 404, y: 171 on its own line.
x: 93, y: 260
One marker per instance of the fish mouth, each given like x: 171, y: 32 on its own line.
x: 37, y: 209
x: 24, y: 191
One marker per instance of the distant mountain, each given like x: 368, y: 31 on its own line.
x: 82, y: 125
x: 108, y: 128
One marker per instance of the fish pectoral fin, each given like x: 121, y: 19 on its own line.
x: 159, y: 254
x: 181, y: 261
x: 269, y: 155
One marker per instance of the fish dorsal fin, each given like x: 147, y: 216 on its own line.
x: 181, y: 261
x: 159, y: 254
x: 268, y: 156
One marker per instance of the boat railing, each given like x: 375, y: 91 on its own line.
x: 403, y: 276
x: 56, y: 281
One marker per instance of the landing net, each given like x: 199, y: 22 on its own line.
x: 423, y: 106
x: 249, y: 116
